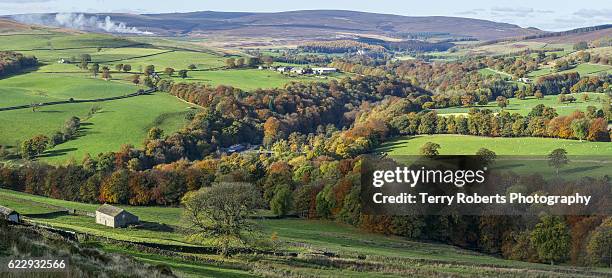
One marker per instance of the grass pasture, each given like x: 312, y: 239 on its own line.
x: 586, y: 158
x: 583, y: 69
x: 524, y: 106
x: 466, y: 145
x: 401, y: 256
x: 247, y: 79
x: 104, y: 131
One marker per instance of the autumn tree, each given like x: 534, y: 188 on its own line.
x: 155, y: 133
x: 538, y: 94
x: 486, y: 156
x: 95, y: 69
x: 182, y: 74
x: 272, y: 130
x: 106, y: 73
x: 580, y: 127
x: 34, y: 146
x: 551, y: 238
x: 502, y: 102
x: 268, y: 60
x: 230, y: 62
x: 221, y: 212
x: 557, y: 159
x: 150, y: 69
x: 114, y: 189
x: 430, y: 149
x: 240, y: 62
x: 282, y: 201
x: 136, y: 79
x: 169, y: 72
x: 85, y: 59
x: 599, y: 246
x: 148, y: 81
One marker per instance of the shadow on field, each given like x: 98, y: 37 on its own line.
x: 154, y: 226
x: 579, y: 169
x: 57, y: 152
x: 389, y: 146
x: 507, y: 166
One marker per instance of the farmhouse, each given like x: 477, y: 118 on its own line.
x: 524, y: 80
x: 114, y: 217
x: 324, y: 70
x: 9, y: 214
x: 283, y: 69
x: 298, y: 70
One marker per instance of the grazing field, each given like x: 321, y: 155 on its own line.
x: 466, y: 145
x: 490, y: 71
x: 582, y: 69
x: 117, y: 122
x: 524, y: 106
x: 103, y: 131
x: 398, y: 256
x: 586, y: 158
x: 248, y: 79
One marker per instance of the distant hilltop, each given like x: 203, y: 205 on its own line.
x: 294, y: 25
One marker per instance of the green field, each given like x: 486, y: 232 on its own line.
x: 397, y: 256
x: 465, y: 145
x: 582, y: 69
x: 248, y: 79
x: 528, y: 154
x: 490, y: 71
x: 104, y: 131
x: 524, y: 106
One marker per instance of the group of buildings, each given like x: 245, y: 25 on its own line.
x: 298, y: 70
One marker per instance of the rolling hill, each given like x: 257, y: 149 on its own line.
x: 297, y: 24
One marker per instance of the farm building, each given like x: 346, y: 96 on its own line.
x: 9, y: 214
x: 114, y: 217
x: 298, y: 70
x: 524, y: 80
x: 236, y: 148
x: 324, y: 70
x: 283, y: 69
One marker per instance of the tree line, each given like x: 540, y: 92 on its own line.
x: 13, y: 62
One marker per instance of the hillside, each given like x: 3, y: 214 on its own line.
x: 305, y: 24
x: 9, y: 26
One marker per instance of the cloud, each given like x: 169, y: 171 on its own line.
x: 24, y: 1
x: 470, y: 12
x: 604, y: 13
x: 518, y: 11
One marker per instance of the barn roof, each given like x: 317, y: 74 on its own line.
x: 110, y: 210
x: 6, y: 211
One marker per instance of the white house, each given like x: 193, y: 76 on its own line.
x: 283, y: 69
x: 9, y: 214
x: 114, y: 217
x: 298, y: 70
x: 324, y: 70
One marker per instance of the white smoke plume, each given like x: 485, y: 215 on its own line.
x: 80, y: 22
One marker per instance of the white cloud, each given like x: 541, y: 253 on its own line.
x: 603, y: 13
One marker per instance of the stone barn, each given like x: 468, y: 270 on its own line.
x: 114, y: 217
x: 9, y: 214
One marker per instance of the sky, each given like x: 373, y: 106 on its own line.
x: 551, y: 15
